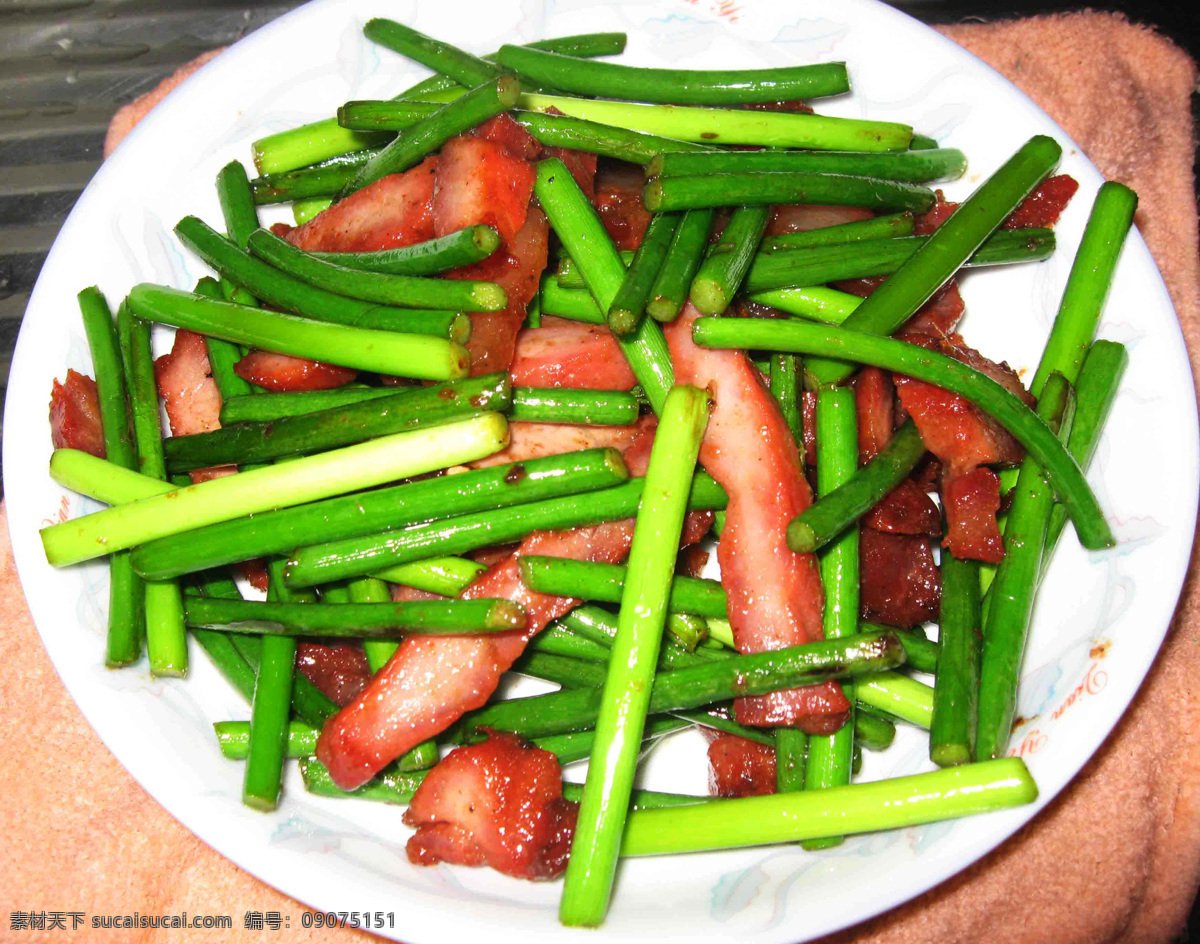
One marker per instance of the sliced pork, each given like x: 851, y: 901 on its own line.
x: 906, y: 509
x: 1042, y: 207
x: 498, y: 803
x: 338, y: 669
x: 393, y: 211
x: 516, y: 268
x: 75, y: 415
x: 799, y: 218
x: 186, y: 385
x: 874, y: 402
x: 480, y: 181
x: 533, y: 440
x: 570, y: 354
x: 900, y: 582
x: 775, y: 597
x: 964, y: 438
x: 739, y: 767
x: 282, y: 373
x: 619, y: 202
x: 972, y: 501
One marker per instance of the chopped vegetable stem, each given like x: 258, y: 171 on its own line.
x: 166, y: 636
x: 629, y: 305
x: 1095, y: 392
x: 416, y: 408
x: 675, y: 86
x: 626, y: 696
x: 829, y: 756
x: 356, y: 620
x: 784, y: 268
x: 126, y: 595
x: 731, y: 126
x: 387, y: 352
x: 1010, y: 598
x: 910, y: 166
x: 460, y: 248
x: 728, y: 260
x: 454, y: 63
x: 867, y: 656
x: 833, y: 513
x: 956, y: 682
x: 349, y: 516
x: 1087, y: 285
x: 484, y: 101
x: 858, y: 808
x: 665, y: 194
x: 284, y: 291
x: 678, y: 269
x: 402, y: 291
x: 270, y: 708
x: 292, y: 483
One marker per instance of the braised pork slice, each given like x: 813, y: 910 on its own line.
x: 75, y: 415
x: 498, y: 803
x: 775, y: 595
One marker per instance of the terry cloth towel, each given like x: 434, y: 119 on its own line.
x: 1115, y: 858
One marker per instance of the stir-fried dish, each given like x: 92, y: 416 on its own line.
x: 547, y: 333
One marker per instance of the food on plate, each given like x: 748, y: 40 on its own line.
x: 526, y: 354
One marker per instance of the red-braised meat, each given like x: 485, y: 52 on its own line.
x: 927, y: 222
x: 874, y: 401
x: 570, y: 354
x: 281, y: 373
x: 956, y: 431
x: 582, y: 166
x: 775, y: 597
x: 479, y: 181
x: 431, y: 681
x: 401, y: 593
x: 906, y: 509
x: 740, y: 767
x: 808, y: 421
x: 75, y: 415
x: 798, y: 218
x: 498, y: 803
x: 963, y: 437
x: 531, y: 440
x: 516, y: 268
x: 339, y: 670
x: 691, y: 561
x: 393, y: 211
x: 193, y: 402
x: 619, y: 203
x: 255, y: 572
x: 520, y: 143
x: 1042, y: 207
x: 939, y: 316
x: 509, y: 135
x: 186, y: 385
x: 972, y: 501
x: 900, y: 582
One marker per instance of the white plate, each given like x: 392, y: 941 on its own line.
x: 1098, y: 625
